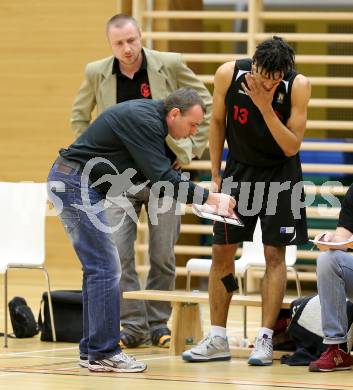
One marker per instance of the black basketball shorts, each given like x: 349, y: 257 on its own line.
x: 273, y: 194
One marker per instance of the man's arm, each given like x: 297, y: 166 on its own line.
x: 187, y: 78
x: 340, y: 234
x: 145, y: 143
x: 289, y: 136
x: 84, y: 103
x: 153, y: 163
x: 344, y: 230
x: 222, y: 81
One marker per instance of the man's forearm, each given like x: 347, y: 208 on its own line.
x: 286, y: 139
x: 83, y: 105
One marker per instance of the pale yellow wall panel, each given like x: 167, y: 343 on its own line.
x: 44, y: 48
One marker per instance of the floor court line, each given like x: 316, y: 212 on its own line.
x: 69, y: 368
x: 38, y: 351
x: 45, y: 357
x: 187, y: 378
x: 51, y: 366
x: 158, y: 358
x: 2, y: 374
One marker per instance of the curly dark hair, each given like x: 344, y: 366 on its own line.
x: 274, y: 55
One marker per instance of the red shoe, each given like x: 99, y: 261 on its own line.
x: 333, y: 359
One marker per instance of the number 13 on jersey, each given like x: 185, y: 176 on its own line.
x: 240, y: 114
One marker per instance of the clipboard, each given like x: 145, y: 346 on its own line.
x: 204, y: 212
x: 326, y: 245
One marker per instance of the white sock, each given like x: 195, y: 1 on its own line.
x: 265, y: 331
x: 218, y: 331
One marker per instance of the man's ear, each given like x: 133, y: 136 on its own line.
x: 173, y: 113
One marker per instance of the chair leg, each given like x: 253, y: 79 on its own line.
x: 188, y: 280
x: 297, y: 281
x: 5, y: 308
x: 245, y: 312
x: 50, y: 305
x: 240, y: 284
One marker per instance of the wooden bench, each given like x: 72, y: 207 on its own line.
x: 186, y: 321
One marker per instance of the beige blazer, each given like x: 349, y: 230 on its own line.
x: 166, y: 73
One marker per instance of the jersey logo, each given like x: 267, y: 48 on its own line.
x: 280, y: 98
x: 286, y: 229
x: 145, y: 90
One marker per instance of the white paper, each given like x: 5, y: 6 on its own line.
x: 331, y: 243
x: 348, y: 243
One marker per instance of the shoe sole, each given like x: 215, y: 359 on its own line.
x: 217, y: 358
x: 111, y: 369
x: 259, y: 362
x: 317, y: 369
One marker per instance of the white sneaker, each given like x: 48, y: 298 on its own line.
x: 83, y: 362
x: 262, y: 352
x: 120, y: 362
x: 209, y: 349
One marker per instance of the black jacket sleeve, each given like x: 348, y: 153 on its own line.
x: 346, y: 214
x: 145, y: 143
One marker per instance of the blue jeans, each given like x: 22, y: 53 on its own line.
x: 98, y: 256
x: 335, y: 284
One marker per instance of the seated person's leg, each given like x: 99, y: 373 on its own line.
x: 335, y: 283
x: 164, y: 229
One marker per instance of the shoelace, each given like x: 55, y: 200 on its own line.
x: 202, y: 341
x: 263, y: 343
x: 205, y: 340
x: 329, y: 351
x: 127, y: 358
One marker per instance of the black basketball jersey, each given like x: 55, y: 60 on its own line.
x: 249, y: 139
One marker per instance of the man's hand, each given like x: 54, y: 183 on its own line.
x: 221, y: 204
x: 176, y: 165
x: 261, y: 97
x: 339, y: 235
x: 328, y: 236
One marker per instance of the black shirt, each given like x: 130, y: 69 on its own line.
x: 345, y: 219
x: 136, y: 88
x: 249, y: 139
x: 131, y: 135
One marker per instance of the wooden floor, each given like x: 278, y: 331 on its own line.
x: 31, y: 364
